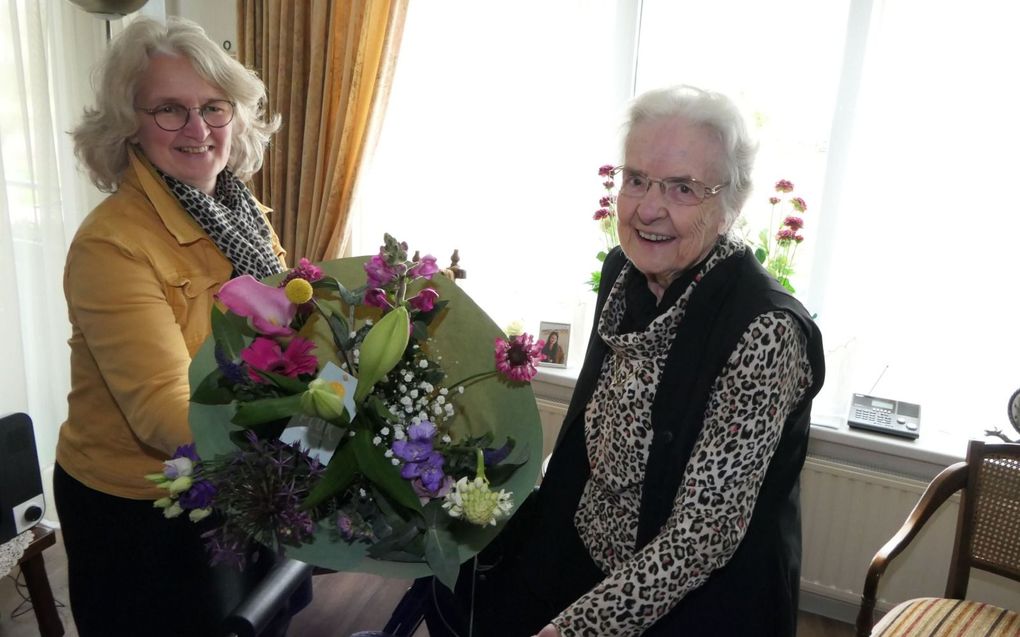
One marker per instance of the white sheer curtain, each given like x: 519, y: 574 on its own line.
x: 46, y: 50
x: 897, y: 120
x: 916, y: 282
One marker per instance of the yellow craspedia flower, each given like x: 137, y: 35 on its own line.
x: 298, y: 291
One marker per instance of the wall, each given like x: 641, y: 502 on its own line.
x: 219, y: 18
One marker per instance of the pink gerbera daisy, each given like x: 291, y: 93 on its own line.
x: 516, y: 358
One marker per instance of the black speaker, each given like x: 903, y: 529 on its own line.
x: 21, y: 494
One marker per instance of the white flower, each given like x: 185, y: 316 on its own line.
x: 446, y: 438
x: 474, y: 501
x: 423, y: 363
x: 377, y: 441
x: 385, y: 431
x: 444, y: 391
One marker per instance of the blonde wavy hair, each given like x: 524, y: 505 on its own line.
x: 101, y: 139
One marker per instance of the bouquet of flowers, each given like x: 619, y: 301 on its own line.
x: 606, y: 217
x: 383, y: 428
x: 776, y: 252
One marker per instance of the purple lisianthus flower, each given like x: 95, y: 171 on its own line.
x: 379, y: 272
x: 423, y: 430
x: 425, y: 300
x: 425, y: 268
x: 199, y: 496
x: 187, y: 451
x: 412, y: 451
x: 425, y: 494
x: 426, y: 468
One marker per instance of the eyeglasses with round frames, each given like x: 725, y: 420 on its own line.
x: 683, y: 191
x: 173, y: 117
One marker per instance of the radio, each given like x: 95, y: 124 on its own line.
x: 893, y: 417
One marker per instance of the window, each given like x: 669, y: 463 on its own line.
x: 894, y: 118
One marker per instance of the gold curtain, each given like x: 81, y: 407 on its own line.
x: 327, y: 66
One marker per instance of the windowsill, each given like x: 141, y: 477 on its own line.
x: 831, y: 438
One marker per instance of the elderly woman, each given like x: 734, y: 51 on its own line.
x: 178, y: 127
x: 671, y: 504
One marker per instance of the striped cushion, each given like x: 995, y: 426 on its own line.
x: 935, y: 617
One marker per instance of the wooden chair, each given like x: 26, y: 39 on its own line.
x: 987, y: 537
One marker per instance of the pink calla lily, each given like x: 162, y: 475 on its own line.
x: 268, y: 307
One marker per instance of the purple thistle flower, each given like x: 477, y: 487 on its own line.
x: 235, y: 373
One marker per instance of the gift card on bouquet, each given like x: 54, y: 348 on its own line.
x: 315, y: 435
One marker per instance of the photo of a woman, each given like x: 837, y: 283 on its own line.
x: 557, y: 340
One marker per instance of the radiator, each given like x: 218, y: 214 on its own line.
x: 849, y: 512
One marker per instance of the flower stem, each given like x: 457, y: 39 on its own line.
x: 470, y: 380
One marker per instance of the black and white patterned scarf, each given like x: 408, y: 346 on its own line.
x: 233, y: 221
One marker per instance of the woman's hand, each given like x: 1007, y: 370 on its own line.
x: 550, y: 630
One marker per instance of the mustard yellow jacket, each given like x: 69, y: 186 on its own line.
x: 139, y: 280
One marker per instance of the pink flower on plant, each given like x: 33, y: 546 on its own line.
x: 379, y: 272
x: 773, y: 200
x: 606, y: 170
x: 376, y: 297
x: 605, y: 202
x: 798, y: 204
x: 425, y: 300
x: 425, y: 268
x: 784, y: 185
x: 516, y: 358
x: 785, y: 235
x: 601, y: 214
x: 609, y: 184
x: 798, y: 238
x: 267, y: 307
x: 793, y: 223
x: 305, y: 270
x: 265, y: 354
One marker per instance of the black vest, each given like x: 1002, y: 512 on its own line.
x: 756, y: 592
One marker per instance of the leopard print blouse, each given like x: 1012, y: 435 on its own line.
x: 763, y: 381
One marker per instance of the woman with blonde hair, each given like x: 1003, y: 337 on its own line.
x: 177, y: 127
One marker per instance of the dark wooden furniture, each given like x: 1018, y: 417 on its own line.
x: 986, y: 535
x: 34, y: 568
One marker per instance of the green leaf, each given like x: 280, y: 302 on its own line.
x: 382, y: 349
x: 338, y: 476
x: 440, y: 545
x: 340, y: 331
x: 400, y: 545
x: 211, y: 390
x: 286, y: 383
x: 381, y: 472
x: 266, y: 409
x: 601, y: 256
x: 761, y: 254
x: 228, y: 332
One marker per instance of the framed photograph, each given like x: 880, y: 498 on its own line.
x: 557, y: 340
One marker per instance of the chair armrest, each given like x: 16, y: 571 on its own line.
x: 268, y: 598
x: 944, y: 485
